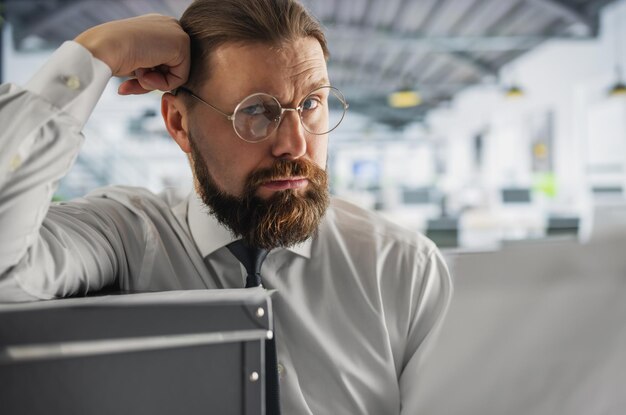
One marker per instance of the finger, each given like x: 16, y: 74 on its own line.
x: 174, y: 80
x: 154, y: 80
x: 177, y: 68
x: 132, y: 87
x: 163, y: 77
x: 178, y: 74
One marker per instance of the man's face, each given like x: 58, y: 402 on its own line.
x: 274, y: 192
x: 288, y: 73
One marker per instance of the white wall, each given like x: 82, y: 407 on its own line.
x: 569, y: 79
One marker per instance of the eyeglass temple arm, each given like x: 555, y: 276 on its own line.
x: 228, y: 116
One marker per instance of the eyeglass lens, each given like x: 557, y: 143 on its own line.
x: 259, y: 115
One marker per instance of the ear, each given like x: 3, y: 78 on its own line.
x: 176, y: 120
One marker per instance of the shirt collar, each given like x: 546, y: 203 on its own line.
x: 210, y: 235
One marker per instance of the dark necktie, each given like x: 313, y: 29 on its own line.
x: 252, y: 260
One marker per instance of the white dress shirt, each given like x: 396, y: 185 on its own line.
x: 356, y: 305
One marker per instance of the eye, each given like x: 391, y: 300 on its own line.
x: 255, y: 109
x: 310, y: 103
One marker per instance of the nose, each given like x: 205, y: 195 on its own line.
x: 290, y: 140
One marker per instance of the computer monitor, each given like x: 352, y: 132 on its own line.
x: 420, y: 196
x: 191, y: 352
x: 443, y: 231
x: 516, y: 195
x: 607, y: 191
x: 560, y: 226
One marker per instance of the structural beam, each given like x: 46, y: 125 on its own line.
x: 569, y: 12
x: 349, y: 33
x: 59, y: 18
x: 480, y: 68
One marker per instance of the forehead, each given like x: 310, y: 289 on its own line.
x: 239, y: 69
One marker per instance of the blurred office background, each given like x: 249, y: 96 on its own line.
x: 496, y: 127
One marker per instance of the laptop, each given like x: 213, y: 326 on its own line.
x: 186, y: 352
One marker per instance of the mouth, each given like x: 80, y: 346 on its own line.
x: 285, y: 183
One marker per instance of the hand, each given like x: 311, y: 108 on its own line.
x: 153, y: 49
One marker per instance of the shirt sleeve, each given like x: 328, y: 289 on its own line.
x: 39, y: 141
x: 433, y: 299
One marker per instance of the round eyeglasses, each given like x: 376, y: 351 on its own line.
x: 258, y: 115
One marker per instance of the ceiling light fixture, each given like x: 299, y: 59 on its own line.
x: 618, y: 89
x: 514, y: 91
x: 404, y: 98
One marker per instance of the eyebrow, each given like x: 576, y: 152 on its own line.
x: 308, y: 86
x: 320, y: 82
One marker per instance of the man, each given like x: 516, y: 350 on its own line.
x: 356, y: 299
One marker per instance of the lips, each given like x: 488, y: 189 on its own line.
x: 286, y: 183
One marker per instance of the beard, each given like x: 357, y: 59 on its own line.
x: 284, y: 219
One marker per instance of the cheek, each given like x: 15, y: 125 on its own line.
x: 228, y: 172
x: 220, y: 159
x: 231, y: 167
x: 318, y: 151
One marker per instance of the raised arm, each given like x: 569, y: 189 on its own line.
x: 40, y: 256
x: 153, y: 49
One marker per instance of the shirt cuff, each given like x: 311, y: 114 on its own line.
x: 72, y: 80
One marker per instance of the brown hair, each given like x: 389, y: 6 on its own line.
x: 211, y: 23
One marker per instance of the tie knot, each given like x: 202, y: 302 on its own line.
x: 251, y: 258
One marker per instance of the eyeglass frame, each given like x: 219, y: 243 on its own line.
x: 298, y: 109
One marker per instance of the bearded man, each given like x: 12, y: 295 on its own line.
x: 356, y: 299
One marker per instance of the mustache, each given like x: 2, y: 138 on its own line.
x: 282, y: 169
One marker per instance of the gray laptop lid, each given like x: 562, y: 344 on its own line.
x: 191, y: 352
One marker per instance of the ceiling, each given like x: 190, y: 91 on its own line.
x: 437, y: 47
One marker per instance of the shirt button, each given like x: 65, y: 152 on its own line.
x: 281, y: 371
x: 15, y: 162
x: 72, y: 82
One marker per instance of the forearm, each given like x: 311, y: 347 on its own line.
x: 39, y: 140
